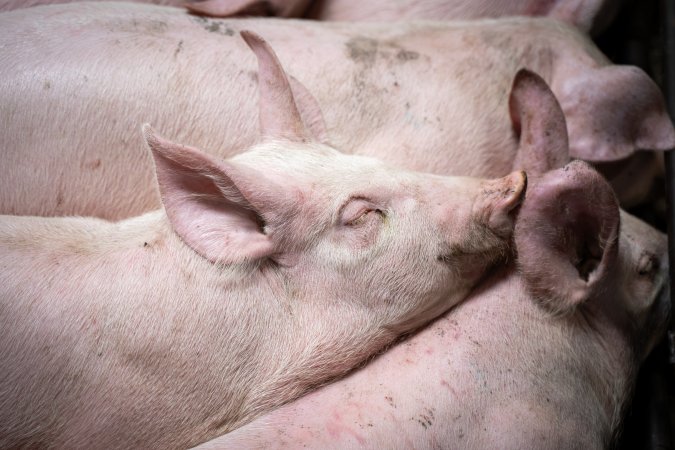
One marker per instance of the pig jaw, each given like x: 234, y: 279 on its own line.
x: 643, y: 285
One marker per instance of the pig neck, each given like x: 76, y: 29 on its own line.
x: 531, y: 377
x: 175, y: 327
x: 495, y: 372
x: 571, y: 371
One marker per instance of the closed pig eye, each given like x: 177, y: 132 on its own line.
x: 647, y: 264
x: 360, y: 222
x: 360, y: 211
x: 364, y: 216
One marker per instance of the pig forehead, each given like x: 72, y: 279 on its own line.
x: 641, y: 235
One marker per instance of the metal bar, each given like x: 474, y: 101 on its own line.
x: 667, y: 378
x: 669, y: 87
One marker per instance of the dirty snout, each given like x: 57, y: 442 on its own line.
x: 497, y: 203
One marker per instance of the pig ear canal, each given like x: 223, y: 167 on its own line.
x: 539, y: 123
x: 566, y: 240
x: 207, y: 203
x: 278, y: 113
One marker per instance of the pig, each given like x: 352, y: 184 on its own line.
x: 587, y: 15
x: 428, y: 97
x: 542, y: 355
x: 9, y: 5
x: 262, y: 276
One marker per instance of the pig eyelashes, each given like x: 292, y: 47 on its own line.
x: 358, y: 211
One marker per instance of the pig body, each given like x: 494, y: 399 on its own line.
x: 425, y: 96
x: 498, y: 371
x: 585, y: 14
x: 10, y: 5
x: 262, y: 276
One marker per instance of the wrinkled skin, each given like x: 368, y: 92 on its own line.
x: 262, y: 276
x: 500, y: 370
x: 430, y: 97
x: 585, y: 14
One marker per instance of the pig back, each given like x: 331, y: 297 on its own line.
x: 425, y: 96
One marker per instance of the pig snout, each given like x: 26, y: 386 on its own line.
x: 498, y: 202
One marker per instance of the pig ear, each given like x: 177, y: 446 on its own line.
x: 310, y: 111
x: 538, y: 120
x: 566, y: 236
x: 614, y: 111
x: 279, y: 116
x: 208, y: 202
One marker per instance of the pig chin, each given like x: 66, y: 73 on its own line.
x: 464, y: 278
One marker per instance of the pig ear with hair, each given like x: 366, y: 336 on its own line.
x: 216, y: 207
x: 540, y: 124
x: 566, y: 236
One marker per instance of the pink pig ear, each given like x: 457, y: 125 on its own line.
x: 614, y: 111
x: 538, y: 120
x: 279, y: 115
x: 208, y: 202
x: 566, y: 236
x: 310, y: 111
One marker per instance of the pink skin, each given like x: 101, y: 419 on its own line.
x: 586, y: 14
x: 426, y: 97
x: 263, y: 276
x: 588, y: 298
x: 498, y: 371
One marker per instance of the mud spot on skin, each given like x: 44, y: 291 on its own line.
x: 59, y: 199
x: 390, y: 400
x: 179, y: 47
x: 362, y: 50
x: 46, y: 85
x: 407, y: 55
x: 366, y: 51
x: 426, y: 418
x: 213, y: 26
